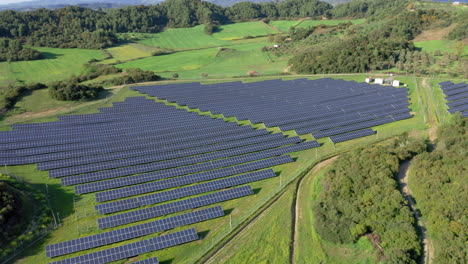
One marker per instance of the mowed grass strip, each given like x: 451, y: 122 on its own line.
x: 312, y: 23
x: 185, y: 60
x: 182, y: 39
x: 242, y: 30
x: 58, y: 64
x: 129, y: 52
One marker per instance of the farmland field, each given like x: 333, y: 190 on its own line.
x: 180, y: 61
x: 233, y: 60
x: 58, y: 64
x: 311, y: 23
x: 284, y: 25
x: 242, y: 30
x: 182, y: 39
x: 128, y: 52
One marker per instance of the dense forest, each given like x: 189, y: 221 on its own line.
x: 439, y: 181
x: 13, y: 50
x: 77, y: 27
x: 377, y: 46
x: 360, y: 197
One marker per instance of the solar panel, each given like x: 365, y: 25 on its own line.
x: 352, y: 135
x: 133, y: 249
x: 135, y: 231
x: 179, y: 193
x: 173, y: 207
x: 147, y: 261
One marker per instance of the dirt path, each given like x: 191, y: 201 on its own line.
x: 431, y: 111
x: 428, y: 250
x: 297, y: 212
x: 270, y: 26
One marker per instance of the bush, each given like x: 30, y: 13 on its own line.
x: 73, y: 91
x: 204, y: 75
x: 135, y: 76
x: 175, y: 75
x: 11, y: 94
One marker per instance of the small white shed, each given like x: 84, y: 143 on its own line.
x: 396, y: 83
x: 369, y: 79
x: 378, y: 81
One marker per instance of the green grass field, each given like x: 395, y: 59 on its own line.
x: 312, y: 23
x: 128, y: 52
x: 58, y: 64
x: 182, y: 39
x: 262, y: 241
x: 284, y: 25
x: 241, y: 30
x: 179, y: 61
x: 442, y: 45
x: 234, y: 60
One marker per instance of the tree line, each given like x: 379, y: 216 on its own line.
x: 439, y: 181
x: 13, y: 50
x: 360, y: 197
x: 78, y: 27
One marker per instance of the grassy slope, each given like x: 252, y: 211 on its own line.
x: 433, y: 45
x: 217, y: 228
x: 186, y: 60
x: 58, y: 64
x: 129, y: 51
x: 264, y: 241
x: 235, y: 60
x: 311, y: 23
x: 310, y: 247
x: 183, y: 38
x: 241, y: 30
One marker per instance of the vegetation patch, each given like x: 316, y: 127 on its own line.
x: 439, y: 182
x: 360, y: 197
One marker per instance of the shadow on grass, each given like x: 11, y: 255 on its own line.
x: 228, y: 211
x: 168, y: 261
x: 257, y: 190
x: 50, y: 56
x: 203, y: 234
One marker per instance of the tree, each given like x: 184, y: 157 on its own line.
x: 175, y: 75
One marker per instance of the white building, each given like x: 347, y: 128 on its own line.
x: 369, y: 79
x: 378, y: 81
x: 396, y: 83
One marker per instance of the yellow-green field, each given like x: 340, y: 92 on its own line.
x: 58, y: 64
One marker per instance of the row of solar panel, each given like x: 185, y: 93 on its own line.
x: 196, y: 168
x: 352, y: 135
x: 133, y: 249
x: 132, y: 232
x: 156, y: 153
x: 146, y: 137
x: 189, y: 179
x: 183, y: 192
x: 95, y: 169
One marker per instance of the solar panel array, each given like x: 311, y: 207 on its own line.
x: 323, y: 107
x: 147, y: 154
x: 456, y: 97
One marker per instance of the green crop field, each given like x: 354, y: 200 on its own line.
x: 182, y: 39
x: 242, y: 30
x: 442, y: 45
x: 129, y: 52
x: 312, y: 23
x: 179, y: 61
x: 58, y: 64
x: 235, y: 60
